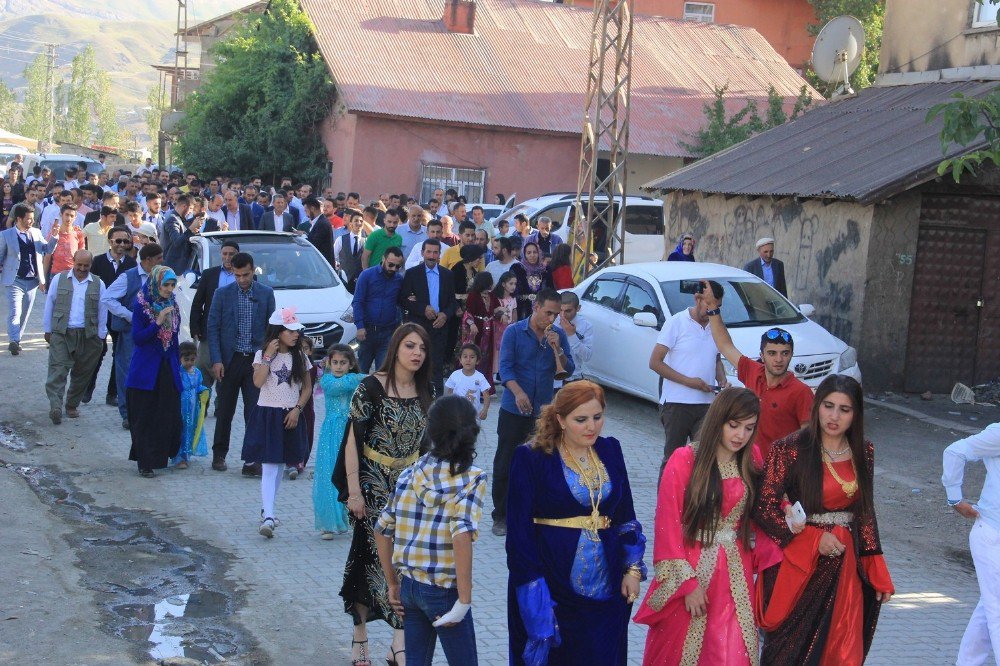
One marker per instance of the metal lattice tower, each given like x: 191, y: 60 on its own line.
x: 180, y: 56
x: 606, y: 109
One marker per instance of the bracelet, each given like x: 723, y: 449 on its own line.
x: 266, y: 359
x: 299, y: 407
x: 635, y: 571
x: 712, y: 313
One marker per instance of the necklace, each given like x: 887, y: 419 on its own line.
x: 592, y: 478
x: 849, y: 487
x: 833, y: 454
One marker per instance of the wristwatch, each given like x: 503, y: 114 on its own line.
x: 712, y: 313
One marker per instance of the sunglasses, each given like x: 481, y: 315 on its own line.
x: 391, y: 265
x: 122, y: 241
x: 778, y: 334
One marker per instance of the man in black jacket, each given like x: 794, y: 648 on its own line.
x: 767, y: 268
x: 320, y: 232
x: 211, y: 279
x: 428, y: 297
x: 108, y: 267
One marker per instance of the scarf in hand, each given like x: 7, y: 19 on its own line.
x: 153, y: 304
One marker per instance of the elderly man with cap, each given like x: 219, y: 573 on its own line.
x: 767, y: 268
x: 75, y: 325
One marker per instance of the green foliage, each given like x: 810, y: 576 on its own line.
x: 259, y: 110
x: 720, y: 131
x: 964, y: 120
x: 8, y: 105
x: 37, y: 101
x: 109, y: 130
x: 871, y: 13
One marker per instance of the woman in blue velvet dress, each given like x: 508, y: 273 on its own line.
x: 574, y: 547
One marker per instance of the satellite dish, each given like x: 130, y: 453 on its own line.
x: 837, y: 53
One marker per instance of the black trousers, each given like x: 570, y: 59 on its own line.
x: 439, y: 352
x: 237, y: 379
x: 512, y: 431
x: 112, y: 384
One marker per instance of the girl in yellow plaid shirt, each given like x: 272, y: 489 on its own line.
x: 425, y: 536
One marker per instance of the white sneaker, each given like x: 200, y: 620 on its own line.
x: 267, y: 527
x: 293, y: 473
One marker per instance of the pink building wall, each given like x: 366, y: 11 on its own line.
x: 371, y: 155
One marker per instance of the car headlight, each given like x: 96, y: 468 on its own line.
x: 348, y: 316
x: 849, y: 358
x: 728, y: 368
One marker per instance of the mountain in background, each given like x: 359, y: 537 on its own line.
x: 128, y: 36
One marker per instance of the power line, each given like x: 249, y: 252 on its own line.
x: 22, y: 39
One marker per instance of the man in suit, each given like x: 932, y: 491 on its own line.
x: 277, y: 219
x: 22, y: 249
x: 347, y: 249
x: 237, y: 216
x: 118, y: 298
x: 177, y: 233
x: 767, y: 268
x: 320, y: 232
x: 210, y: 281
x: 428, y: 297
x: 237, y: 321
x: 108, y: 266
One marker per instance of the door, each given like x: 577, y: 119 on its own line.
x: 635, y: 343
x: 598, y: 305
x: 945, y: 309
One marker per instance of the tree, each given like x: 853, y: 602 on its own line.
x: 154, y: 111
x: 8, y: 105
x: 37, y: 101
x: 964, y: 120
x: 259, y: 110
x: 720, y: 131
x: 871, y: 13
x: 109, y: 130
x: 81, y: 94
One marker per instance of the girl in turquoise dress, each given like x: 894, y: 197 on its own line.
x: 341, y: 375
x: 192, y: 409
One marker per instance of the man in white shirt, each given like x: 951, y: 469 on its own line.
x: 434, y: 230
x: 504, y: 262
x: 687, y: 360
x: 982, y: 636
x: 215, y: 211
x: 52, y: 213
x: 414, y: 232
x: 579, y: 332
x: 75, y: 325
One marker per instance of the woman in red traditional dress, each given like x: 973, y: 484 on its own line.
x: 699, y: 608
x: 479, y: 321
x: 820, y: 606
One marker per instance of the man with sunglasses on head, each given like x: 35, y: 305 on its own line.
x: 785, y: 401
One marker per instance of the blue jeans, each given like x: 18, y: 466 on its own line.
x: 374, y: 347
x: 123, y: 359
x: 20, y: 299
x: 423, y: 604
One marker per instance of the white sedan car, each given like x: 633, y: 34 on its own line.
x: 298, y: 273
x: 629, y: 304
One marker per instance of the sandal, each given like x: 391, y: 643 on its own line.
x: 362, y: 659
x: 393, y: 662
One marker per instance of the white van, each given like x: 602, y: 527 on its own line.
x: 644, y: 221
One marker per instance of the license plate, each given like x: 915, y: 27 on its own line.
x: 317, y: 341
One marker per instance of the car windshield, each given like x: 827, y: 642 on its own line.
x: 510, y: 213
x: 281, y: 262
x: 745, y: 302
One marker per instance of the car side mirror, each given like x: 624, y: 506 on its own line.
x: 644, y: 319
x: 807, y: 310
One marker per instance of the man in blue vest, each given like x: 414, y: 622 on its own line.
x: 22, y: 248
x: 118, y: 298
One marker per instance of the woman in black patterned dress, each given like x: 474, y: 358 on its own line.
x: 388, y: 413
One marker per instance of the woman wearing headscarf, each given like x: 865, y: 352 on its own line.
x: 154, y: 379
x: 684, y: 250
x: 537, y: 278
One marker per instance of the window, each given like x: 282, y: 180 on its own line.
x: 470, y: 183
x: 985, y: 14
x: 644, y: 220
x: 641, y: 299
x: 744, y: 303
x: 702, y: 12
x: 603, y: 292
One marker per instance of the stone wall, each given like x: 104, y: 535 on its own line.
x: 824, y: 247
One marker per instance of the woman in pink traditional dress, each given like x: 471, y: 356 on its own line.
x: 699, y: 608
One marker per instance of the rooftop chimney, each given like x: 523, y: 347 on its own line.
x: 460, y: 16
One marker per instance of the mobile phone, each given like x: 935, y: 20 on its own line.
x: 798, y: 515
x: 691, y: 286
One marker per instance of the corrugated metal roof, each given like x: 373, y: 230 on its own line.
x: 864, y: 148
x: 526, y: 66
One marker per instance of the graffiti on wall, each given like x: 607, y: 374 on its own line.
x: 813, y: 248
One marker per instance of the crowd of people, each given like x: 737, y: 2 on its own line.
x: 765, y: 546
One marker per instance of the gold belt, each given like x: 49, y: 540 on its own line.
x: 588, y: 523
x: 389, y: 461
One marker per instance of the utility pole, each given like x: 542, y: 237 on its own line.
x: 50, y: 87
x: 599, y: 208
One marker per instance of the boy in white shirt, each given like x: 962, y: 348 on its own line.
x: 469, y: 383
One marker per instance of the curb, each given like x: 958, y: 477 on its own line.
x: 941, y: 423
